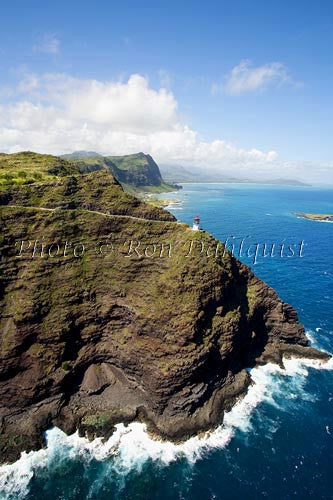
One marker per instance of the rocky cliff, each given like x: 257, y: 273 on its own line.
x: 136, y: 172
x: 112, y: 311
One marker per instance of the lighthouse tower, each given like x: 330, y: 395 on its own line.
x: 196, y: 222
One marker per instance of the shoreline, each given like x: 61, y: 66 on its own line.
x: 307, y: 186
x: 205, y: 421
x: 132, y: 444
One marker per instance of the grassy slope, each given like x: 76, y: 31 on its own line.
x: 137, y: 173
x: 28, y: 167
x: 96, y: 191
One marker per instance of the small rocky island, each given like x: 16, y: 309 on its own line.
x: 112, y: 311
x: 317, y: 217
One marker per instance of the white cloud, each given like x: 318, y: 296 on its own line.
x: 48, y: 44
x: 56, y: 113
x: 247, y: 78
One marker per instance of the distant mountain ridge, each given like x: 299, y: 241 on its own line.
x: 178, y: 173
x: 136, y: 172
x: 80, y: 154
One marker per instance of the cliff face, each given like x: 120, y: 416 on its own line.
x: 115, y: 312
x: 136, y: 171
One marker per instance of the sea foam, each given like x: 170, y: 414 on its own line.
x: 131, y: 446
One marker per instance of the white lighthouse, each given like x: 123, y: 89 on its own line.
x: 196, y: 223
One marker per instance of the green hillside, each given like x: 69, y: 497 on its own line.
x: 27, y: 167
x: 96, y: 191
x: 137, y: 173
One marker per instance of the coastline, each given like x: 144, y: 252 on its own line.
x: 131, y: 445
x: 178, y: 431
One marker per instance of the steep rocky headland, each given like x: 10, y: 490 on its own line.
x: 112, y: 311
x: 136, y: 172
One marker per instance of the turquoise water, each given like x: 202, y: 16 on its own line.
x: 279, y: 443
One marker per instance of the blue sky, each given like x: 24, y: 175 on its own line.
x: 255, y: 75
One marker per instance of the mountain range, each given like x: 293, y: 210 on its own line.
x: 178, y: 173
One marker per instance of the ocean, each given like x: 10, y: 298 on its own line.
x: 275, y: 443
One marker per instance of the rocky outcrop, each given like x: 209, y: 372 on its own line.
x: 113, y: 311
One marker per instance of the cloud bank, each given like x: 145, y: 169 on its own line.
x: 55, y: 113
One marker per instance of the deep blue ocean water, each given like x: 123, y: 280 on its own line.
x: 283, y: 446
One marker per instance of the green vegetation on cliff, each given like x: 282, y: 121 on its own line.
x: 136, y: 172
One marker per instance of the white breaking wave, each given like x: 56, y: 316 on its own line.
x: 174, y: 206
x: 131, y: 446
x: 318, y: 341
x: 310, y: 336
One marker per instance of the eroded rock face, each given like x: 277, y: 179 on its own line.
x: 134, y: 327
